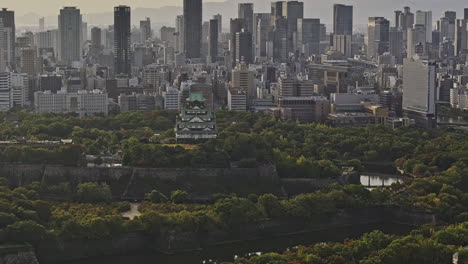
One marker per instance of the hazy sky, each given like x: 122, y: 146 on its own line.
x: 100, y: 11
x: 51, y: 7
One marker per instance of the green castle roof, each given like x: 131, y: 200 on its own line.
x: 196, y: 97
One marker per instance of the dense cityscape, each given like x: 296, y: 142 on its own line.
x: 267, y: 138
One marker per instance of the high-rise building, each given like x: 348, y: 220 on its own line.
x: 295, y: 12
x: 3, y: 63
x: 244, y: 47
x: 96, y: 37
x: 172, y: 99
x: 396, y: 44
x: 294, y: 87
x: 461, y: 36
x: 244, y: 79
x: 219, y: 18
x: 404, y: 20
x: 9, y: 37
x: 262, y: 27
x: 193, y: 28
x: 246, y: 13
x: 180, y: 34
x: 425, y: 18
x: 213, y: 40
x: 446, y: 27
x: 284, y: 16
x: 236, y: 26
x: 444, y: 85
x: 343, y: 44
x: 145, y: 30
x: 20, y: 89
x: 122, y: 44
x: 41, y: 24
x: 280, y: 40
x: 308, y: 36
x: 378, y: 37
x: 167, y: 35
x: 451, y: 15
x: 465, y: 14
x: 29, y: 61
x: 6, y: 100
x: 416, y: 41
x: 342, y: 28
x: 419, y: 91
x: 70, y: 34
x: 342, y: 19
x: 84, y: 32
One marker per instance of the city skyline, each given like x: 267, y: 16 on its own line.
x: 101, y: 13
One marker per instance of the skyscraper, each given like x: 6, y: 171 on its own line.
x: 41, y: 24
x: 425, y: 18
x: 236, y: 25
x: 70, y: 34
x: 122, y: 40
x: 246, y: 12
x: 244, y: 47
x: 9, y: 31
x: 396, y: 44
x: 29, y: 61
x: 180, y: 34
x: 219, y: 18
x: 419, y: 91
x: 416, y: 41
x: 404, y: 20
x: 295, y: 12
x: 213, y: 40
x: 6, y: 100
x: 145, y: 28
x: 193, y: 28
x: 342, y: 19
x: 308, y: 36
x: 262, y: 27
x: 96, y: 37
x: 244, y: 79
x: 378, y: 37
x: 465, y: 14
x: 461, y: 36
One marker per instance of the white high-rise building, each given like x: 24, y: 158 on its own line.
x: 2, y: 50
x: 425, y: 18
x: 6, y: 99
x: 172, y: 99
x: 70, y: 34
x: 419, y: 91
x: 20, y: 89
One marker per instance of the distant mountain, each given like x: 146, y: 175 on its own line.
x: 313, y: 8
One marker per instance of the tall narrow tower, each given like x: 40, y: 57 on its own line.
x: 122, y: 39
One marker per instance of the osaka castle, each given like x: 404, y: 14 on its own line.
x: 196, y: 120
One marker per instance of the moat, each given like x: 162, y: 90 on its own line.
x: 229, y: 252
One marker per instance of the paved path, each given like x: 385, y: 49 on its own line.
x: 133, y: 211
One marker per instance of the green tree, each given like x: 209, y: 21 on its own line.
x: 179, y: 197
x: 270, y: 205
x: 25, y: 231
x: 156, y: 197
x: 93, y: 192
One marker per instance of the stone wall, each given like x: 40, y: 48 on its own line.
x: 133, y: 183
